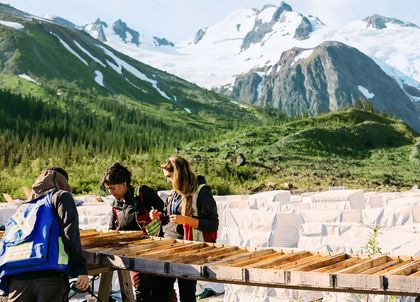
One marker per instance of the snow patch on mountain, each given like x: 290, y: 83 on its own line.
x: 122, y: 64
x: 99, y: 78
x: 89, y: 54
x: 14, y: 25
x: 73, y: 52
x: 303, y: 55
x: 366, y: 93
x: 27, y: 78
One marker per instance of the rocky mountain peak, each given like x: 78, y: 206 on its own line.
x: 121, y: 29
x: 97, y: 29
x: 283, y: 7
x: 303, y: 30
x: 330, y: 76
x: 199, y: 35
x: 379, y: 22
x: 162, y: 42
x: 262, y: 28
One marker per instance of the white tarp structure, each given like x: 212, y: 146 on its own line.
x: 336, y: 220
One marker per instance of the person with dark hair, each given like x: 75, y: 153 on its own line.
x: 45, y: 280
x: 191, y: 214
x: 130, y: 211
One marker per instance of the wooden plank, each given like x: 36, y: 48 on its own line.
x: 87, y: 233
x: 265, y: 276
x: 338, y: 266
x: 310, y: 259
x: 382, y: 268
x: 8, y: 198
x: 245, y: 256
x: 351, y: 278
x: 135, y: 250
x: 364, y: 265
x: 359, y: 282
x: 408, y: 268
x: 91, y: 258
x: 323, y: 261
x: 122, y: 245
x: 154, y: 248
x: 105, y: 286
x: 403, y: 284
x: 305, y: 278
x: 186, y: 270
x: 282, y: 258
x: 301, y: 275
x: 223, y: 270
x: 250, y: 262
x: 126, y: 286
x: 109, y: 239
x: 219, y: 257
x: 150, y: 266
x: 172, y: 251
x: 417, y: 274
x: 116, y: 261
x: 182, y: 256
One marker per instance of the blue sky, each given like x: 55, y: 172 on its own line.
x: 179, y: 20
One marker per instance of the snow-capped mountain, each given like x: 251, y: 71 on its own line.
x: 252, y: 38
x: 121, y: 37
x: 62, y: 58
x: 325, y: 78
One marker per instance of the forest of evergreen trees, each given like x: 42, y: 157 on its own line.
x: 31, y: 128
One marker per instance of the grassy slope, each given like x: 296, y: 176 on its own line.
x: 352, y: 148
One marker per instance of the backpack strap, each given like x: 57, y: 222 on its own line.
x: 197, y: 235
x: 138, y: 195
x: 138, y: 204
x: 195, y: 198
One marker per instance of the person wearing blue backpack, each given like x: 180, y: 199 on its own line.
x: 41, y: 246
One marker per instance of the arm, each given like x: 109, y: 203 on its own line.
x: 68, y: 219
x: 209, y: 219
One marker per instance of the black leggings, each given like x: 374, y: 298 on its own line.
x: 162, y: 287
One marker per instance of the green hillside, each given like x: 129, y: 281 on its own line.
x: 351, y: 148
x: 67, y: 60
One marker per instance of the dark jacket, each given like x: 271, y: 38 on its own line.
x: 131, y: 211
x: 208, y: 219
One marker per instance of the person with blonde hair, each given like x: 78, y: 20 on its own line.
x: 190, y: 213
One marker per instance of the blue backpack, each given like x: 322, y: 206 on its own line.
x: 32, y: 241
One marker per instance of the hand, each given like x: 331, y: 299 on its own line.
x: 177, y: 219
x: 180, y: 219
x: 82, y: 282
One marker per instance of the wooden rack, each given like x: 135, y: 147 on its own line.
x: 270, y: 267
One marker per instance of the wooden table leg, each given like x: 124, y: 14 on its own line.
x: 105, y: 286
x: 125, y: 285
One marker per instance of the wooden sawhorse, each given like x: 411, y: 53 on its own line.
x: 105, y: 283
